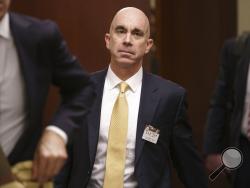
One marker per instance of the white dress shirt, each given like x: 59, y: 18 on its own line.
x: 110, y: 93
x: 13, y: 112
x: 13, y: 115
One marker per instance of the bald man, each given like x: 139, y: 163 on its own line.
x: 150, y: 112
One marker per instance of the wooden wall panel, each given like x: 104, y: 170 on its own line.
x: 191, y: 34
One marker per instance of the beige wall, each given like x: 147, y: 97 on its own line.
x: 243, y: 16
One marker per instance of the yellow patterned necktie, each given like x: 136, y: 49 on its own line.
x: 117, y: 140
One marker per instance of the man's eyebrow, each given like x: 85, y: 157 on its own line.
x: 119, y: 27
x: 137, y: 30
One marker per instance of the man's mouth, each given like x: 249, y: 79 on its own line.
x: 126, y: 52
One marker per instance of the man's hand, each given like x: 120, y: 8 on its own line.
x: 49, y: 158
x: 213, y: 161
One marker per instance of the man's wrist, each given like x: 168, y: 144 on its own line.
x: 59, y: 132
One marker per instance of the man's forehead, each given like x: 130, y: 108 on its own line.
x: 131, y: 18
x: 130, y: 22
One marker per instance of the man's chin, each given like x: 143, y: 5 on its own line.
x: 129, y: 66
x: 126, y: 64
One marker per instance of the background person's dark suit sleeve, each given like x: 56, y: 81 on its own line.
x: 45, y: 60
x: 219, y: 114
x: 70, y: 78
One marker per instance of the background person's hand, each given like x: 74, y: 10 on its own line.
x: 49, y: 157
x: 213, y: 161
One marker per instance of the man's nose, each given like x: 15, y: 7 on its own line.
x: 128, y: 39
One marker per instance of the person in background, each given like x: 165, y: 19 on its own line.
x: 33, y: 55
x: 228, y: 122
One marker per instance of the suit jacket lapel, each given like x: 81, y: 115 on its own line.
x: 94, y: 116
x: 148, y: 103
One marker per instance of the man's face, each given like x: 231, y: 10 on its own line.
x: 4, y: 6
x: 128, y: 40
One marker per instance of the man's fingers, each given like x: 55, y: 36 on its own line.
x: 59, y: 163
x: 49, y: 157
x: 43, y: 160
x: 56, y: 162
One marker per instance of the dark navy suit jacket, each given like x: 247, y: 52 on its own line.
x: 45, y: 60
x: 163, y: 106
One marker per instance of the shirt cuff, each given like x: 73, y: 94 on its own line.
x: 59, y: 132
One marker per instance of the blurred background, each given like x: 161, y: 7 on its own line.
x: 188, y: 38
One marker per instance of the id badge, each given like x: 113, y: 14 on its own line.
x: 151, y: 134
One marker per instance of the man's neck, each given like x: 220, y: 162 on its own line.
x: 125, y: 73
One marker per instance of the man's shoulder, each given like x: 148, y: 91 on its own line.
x: 26, y: 21
x: 100, y: 74
x: 165, y: 84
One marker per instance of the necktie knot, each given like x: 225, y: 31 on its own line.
x: 123, y: 87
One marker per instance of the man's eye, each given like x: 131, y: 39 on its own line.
x: 120, y: 31
x: 138, y: 34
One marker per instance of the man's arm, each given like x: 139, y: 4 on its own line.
x: 49, y: 157
x: 220, y: 108
x: 76, y: 97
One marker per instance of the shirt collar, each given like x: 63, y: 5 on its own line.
x: 134, y: 81
x: 5, y: 27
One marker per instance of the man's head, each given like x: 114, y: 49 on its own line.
x: 128, y: 38
x: 4, y: 6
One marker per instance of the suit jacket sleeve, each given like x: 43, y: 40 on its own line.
x: 221, y: 102
x: 184, y: 154
x: 75, y: 86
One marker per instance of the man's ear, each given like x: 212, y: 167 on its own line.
x: 150, y: 43
x: 107, y: 40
